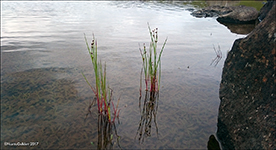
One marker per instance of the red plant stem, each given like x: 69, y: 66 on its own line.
x: 114, y: 116
x: 156, y: 86
x: 114, y: 111
x: 153, y: 84
x: 101, y: 105
x: 93, y: 90
x: 105, y: 107
x: 146, y: 81
x: 113, y: 107
x: 118, y: 113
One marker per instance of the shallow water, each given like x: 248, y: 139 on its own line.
x: 45, y: 97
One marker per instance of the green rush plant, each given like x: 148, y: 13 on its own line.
x: 152, y: 61
x: 103, y: 93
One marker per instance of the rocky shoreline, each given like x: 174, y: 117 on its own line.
x: 229, y: 14
x: 247, y: 109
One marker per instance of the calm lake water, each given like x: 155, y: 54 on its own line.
x: 45, y: 98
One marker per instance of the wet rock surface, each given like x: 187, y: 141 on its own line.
x: 231, y: 14
x: 212, y: 11
x: 240, y: 14
x: 247, y: 110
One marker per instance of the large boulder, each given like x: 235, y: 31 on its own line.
x: 239, y: 14
x: 247, y: 109
x: 212, y: 11
x: 229, y: 14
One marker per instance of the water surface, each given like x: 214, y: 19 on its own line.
x: 45, y: 97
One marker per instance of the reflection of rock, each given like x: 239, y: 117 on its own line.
x: 239, y: 28
x: 247, y: 110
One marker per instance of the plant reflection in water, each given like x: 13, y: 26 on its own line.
x: 218, y: 57
x: 107, y: 132
x: 148, y: 114
x: 152, y: 74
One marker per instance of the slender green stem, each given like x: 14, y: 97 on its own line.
x: 152, y: 61
x: 101, y: 90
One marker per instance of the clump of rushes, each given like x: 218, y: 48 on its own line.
x: 103, y: 94
x: 152, y: 61
x: 151, y: 64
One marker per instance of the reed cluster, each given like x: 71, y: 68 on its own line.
x: 103, y: 94
x: 152, y: 75
x: 152, y: 62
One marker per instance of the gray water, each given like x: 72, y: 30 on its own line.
x: 45, y: 97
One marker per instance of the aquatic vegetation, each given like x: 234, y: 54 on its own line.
x: 151, y: 63
x: 152, y: 74
x: 103, y: 94
x: 148, y: 114
x: 107, y: 133
x: 218, y: 56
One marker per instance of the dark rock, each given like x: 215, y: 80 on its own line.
x: 190, y: 9
x: 247, y: 91
x: 231, y: 14
x: 198, y: 14
x: 219, y: 10
x: 239, y: 14
x: 265, y: 9
x: 211, y: 11
x: 213, y: 143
